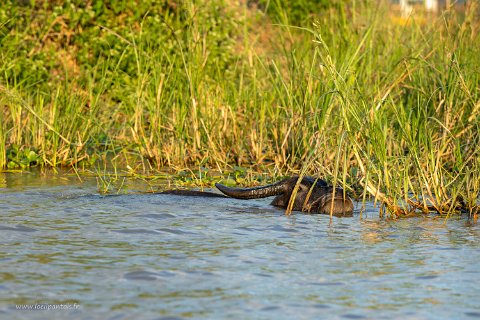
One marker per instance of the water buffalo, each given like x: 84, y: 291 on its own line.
x: 313, y: 195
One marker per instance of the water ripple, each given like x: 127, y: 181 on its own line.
x: 19, y: 228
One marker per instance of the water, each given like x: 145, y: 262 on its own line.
x: 169, y: 257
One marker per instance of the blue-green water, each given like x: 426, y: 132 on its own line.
x: 169, y: 257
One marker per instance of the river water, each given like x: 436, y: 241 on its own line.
x: 148, y: 256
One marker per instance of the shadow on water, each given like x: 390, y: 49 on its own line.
x: 169, y: 257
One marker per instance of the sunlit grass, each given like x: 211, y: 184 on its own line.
x: 386, y: 110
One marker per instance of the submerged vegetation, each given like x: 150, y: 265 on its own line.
x: 385, y: 109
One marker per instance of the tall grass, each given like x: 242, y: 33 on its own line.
x: 386, y: 110
x: 410, y: 108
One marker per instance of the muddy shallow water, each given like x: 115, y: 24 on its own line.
x: 147, y: 256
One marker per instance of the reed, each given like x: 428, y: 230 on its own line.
x: 411, y: 133
x: 384, y: 109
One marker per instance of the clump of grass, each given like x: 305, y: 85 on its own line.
x: 385, y: 110
x: 409, y: 109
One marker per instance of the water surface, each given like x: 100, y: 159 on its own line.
x: 150, y: 256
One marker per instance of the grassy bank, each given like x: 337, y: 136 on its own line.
x: 386, y: 109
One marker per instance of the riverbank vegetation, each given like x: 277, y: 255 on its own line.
x: 386, y: 109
